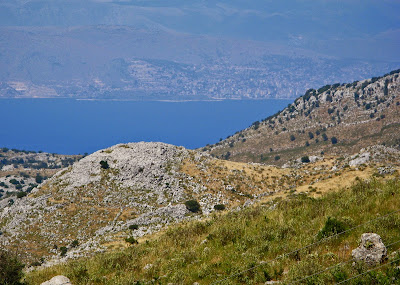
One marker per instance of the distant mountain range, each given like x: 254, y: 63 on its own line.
x: 152, y: 50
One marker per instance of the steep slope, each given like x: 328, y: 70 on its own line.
x: 335, y: 119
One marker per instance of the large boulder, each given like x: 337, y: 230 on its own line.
x: 372, y: 251
x: 58, y: 280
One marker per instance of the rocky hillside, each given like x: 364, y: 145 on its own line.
x: 126, y: 190
x: 21, y: 171
x: 118, y: 195
x: 336, y: 119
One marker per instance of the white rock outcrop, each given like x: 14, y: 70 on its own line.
x: 58, y: 280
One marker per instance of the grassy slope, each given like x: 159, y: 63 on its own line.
x: 209, y: 250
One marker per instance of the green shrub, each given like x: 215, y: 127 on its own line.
x: 192, y: 206
x: 104, y: 164
x: 334, y: 140
x: 131, y: 240
x: 305, y: 159
x: 292, y: 137
x: 256, y: 125
x: 277, y: 157
x: 219, y: 207
x: 63, y: 251
x: 339, y: 275
x: 332, y: 226
x: 133, y: 227
x: 10, y: 268
x: 75, y: 243
x: 324, y: 88
x: 14, y: 181
x: 21, y: 194
x: 38, y: 178
x: 78, y: 272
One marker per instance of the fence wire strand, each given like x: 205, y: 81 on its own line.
x: 262, y: 263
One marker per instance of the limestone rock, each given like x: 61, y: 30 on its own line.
x: 58, y: 280
x: 360, y: 159
x: 371, y: 250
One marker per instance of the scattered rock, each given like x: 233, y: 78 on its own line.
x: 360, y: 159
x: 58, y: 280
x: 388, y: 170
x: 148, y: 266
x: 371, y: 250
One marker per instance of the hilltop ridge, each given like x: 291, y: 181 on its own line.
x: 335, y: 119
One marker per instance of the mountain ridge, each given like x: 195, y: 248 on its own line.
x: 335, y: 119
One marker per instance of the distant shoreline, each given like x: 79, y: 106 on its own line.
x: 138, y: 100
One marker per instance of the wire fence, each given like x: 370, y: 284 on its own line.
x: 363, y: 273
x: 333, y: 266
x: 262, y: 263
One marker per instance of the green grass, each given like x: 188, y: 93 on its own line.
x: 226, y: 243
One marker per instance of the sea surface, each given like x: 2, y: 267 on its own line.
x: 71, y: 126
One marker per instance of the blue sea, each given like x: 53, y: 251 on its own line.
x: 71, y: 126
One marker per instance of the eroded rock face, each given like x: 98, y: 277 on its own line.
x: 371, y: 250
x: 58, y: 280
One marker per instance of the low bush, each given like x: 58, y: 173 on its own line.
x: 133, y: 227
x: 10, y: 269
x: 38, y: 178
x: 75, y: 243
x: 305, y: 159
x: 131, y: 240
x: 219, y: 207
x: 192, y: 206
x: 63, y: 251
x: 104, y: 164
x: 21, y: 194
x: 332, y: 226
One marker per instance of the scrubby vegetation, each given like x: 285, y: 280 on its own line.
x: 192, y: 206
x: 104, y: 164
x: 10, y: 268
x: 348, y: 117
x: 258, y: 244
